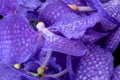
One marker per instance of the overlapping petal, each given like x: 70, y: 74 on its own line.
x: 113, y: 40
x: 107, y: 25
x: 96, y: 64
x: 71, y: 47
x: 18, y: 40
x: 92, y: 36
x: 75, y: 27
x: 68, y: 33
x: 106, y: 10
x: 116, y: 73
x: 53, y: 12
x: 8, y: 6
x: 113, y: 9
x: 18, y: 6
x: 30, y: 4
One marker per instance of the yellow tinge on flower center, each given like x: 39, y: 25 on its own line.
x: 80, y: 8
x: 73, y: 7
x: 40, y: 22
x: 40, y: 70
x: 18, y: 66
x: 40, y: 26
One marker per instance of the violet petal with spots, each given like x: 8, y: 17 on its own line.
x: 116, y: 73
x: 18, y: 39
x: 113, y: 40
x: 75, y: 27
x: 96, y: 64
x: 51, y: 13
x: 92, y: 36
x: 96, y: 4
x: 66, y: 46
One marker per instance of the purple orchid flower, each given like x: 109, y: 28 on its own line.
x: 116, y: 73
x: 51, y: 13
x: 91, y: 36
x: 54, y: 42
x: 66, y: 47
x: 113, y: 40
x: 18, y: 39
x: 31, y: 4
x: 107, y: 25
x: 96, y: 64
x: 112, y: 8
x: 7, y: 6
x: 18, y: 6
x: 75, y: 27
x: 96, y: 4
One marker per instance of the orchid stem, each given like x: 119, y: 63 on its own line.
x: 42, y: 67
x: 45, y: 32
x: 47, y: 57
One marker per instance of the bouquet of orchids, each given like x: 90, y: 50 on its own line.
x: 59, y: 39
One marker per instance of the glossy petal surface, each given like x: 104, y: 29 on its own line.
x: 96, y: 4
x: 51, y: 13
x: 63, y: 45
x: 96, y: 64
x: 70, y: 35
x: 113, y: 9
x: 18, y: 6
x: 7, y: 6
x: 18, y: 40
x: 92, y: 36
x: 75, y: 27
x: 30, y: 4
